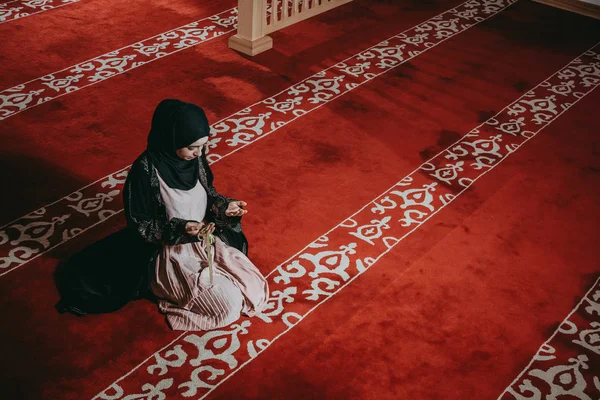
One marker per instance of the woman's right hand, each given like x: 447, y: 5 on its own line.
x: 196, y: 228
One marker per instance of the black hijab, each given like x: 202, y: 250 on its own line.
x: 176, y: 124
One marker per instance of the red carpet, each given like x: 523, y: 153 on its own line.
x: 486, y: 262
x: 15, y: 9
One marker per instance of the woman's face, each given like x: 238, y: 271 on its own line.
x: 193, y: 150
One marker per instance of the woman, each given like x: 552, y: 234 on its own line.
x: 170, y: 206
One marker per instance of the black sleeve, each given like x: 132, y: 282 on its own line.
x: 218, y: 204
x: 142, y: 211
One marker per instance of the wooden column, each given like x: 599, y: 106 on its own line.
x: 251, y: 38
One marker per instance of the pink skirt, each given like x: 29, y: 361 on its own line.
x: 191, y: 302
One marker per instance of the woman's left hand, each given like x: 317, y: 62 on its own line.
x: 234, y: 209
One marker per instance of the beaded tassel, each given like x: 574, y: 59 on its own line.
x: 209, y: 240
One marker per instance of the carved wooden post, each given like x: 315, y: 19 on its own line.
x: 253, y: 28
x: 251, y: 38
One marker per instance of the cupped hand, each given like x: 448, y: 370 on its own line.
x: 234, y: 209
x: 199, y: 228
